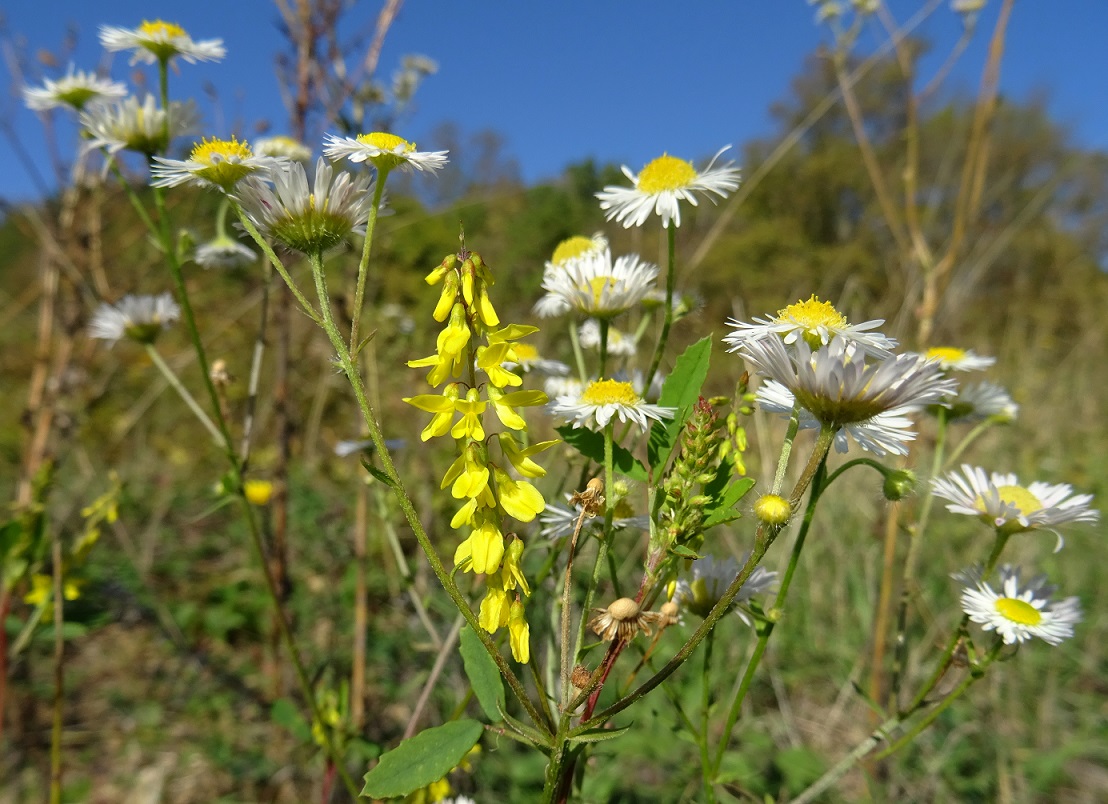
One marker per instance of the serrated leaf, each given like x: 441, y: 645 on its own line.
x: 591, y: 445
x: 483, y: 674
x: 422, y: 760
x: 284, y: 713
x: 599, y: 735
x: 722, y: 511
x: 680, y: 390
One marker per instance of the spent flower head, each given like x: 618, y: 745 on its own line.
x: 308, y: 218
x: 140, y: 318
x: 384, y: 151
x: 661, y: 186
x: 76, y: 90
x: 814, y: 321
x: 1001, y: 501
x: 1019, y: 613
x: 160, y: 41
x: 213, y: 163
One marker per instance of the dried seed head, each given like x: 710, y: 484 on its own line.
x: 668, y: 614
x: 592, y: 498
x: 219, y: 374
x: 623, y: 618
x: 580, y: 677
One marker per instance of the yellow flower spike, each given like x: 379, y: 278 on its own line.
x: 489, y: 359
x: 42, y: 590
x: 521, y: 459
x: 504, y: 405
x: 483, y: 272
x: 511, y: 574
x: 464, y: 515
x: 442, y: 270
x: 519, y: 633
x: 486, y: 548
x: 453, y: 339
x: 485, y: 309
x: 512, y: 332
x: 495, y: 609
x: 469, y: 473
x: 441, y: 406
x: 518, y: 498
x: 468, y: 279
x: 447, y: 298
x: 471, y: 408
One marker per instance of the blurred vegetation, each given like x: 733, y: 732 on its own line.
x: 166, y: 668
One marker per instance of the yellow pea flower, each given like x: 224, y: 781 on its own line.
x: 484, y: 548
x: 447, y: 298
x: 444, y: 268
x: 442, y: 406
x: 454, y: 338
x: 42, y: 590
x: 471, y: 408
x: 258, y: 492
x: 489, y: 359
x: 495, y: 609
x: 469, y: 473
x: 521, y: 458
x: 519, y: 498
x: 504, y: 405
x: 519, y: 633
x: 511, y: 574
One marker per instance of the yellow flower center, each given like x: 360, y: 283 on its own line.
x: 1018, y: 611
x: 812, y: 314
x: 159, y: 29
x: 610, y: 392
x: 947, y: 355
x: 213, y: 151
x: 524, y: 352
x: 666, y: 173
x: 1024, y: 501
x: 386, y: 142
x: 571, y: 248
x: 598, y: 284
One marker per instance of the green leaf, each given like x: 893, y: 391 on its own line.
x: 423, y: 759
x: 591, y: 445
x: 483, y: 674
x: 599, y: 735
x: 377, y: 473
x: 800, y: 768
x: 680, y: 390
x: 284, y: 713
x: 722, y: 511
x: 534, y: 735
x: 683, y: 551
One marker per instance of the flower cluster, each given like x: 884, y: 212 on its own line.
x: 472, y: 357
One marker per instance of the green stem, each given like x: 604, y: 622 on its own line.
x: 405, y: 501
x: 183, y: 392
x: 818, y: 486
x: 566, y: 669
x: 59, y: 670
x: 786, y: 450
x: 363, y: 264
x: 279, y: 266
x: 707, y: 770
x: 667, y: 320
x: 578, y: 355
x: 605, y: 324
x: 605, y: 538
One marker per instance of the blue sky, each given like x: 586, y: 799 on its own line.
x: 564, y: 81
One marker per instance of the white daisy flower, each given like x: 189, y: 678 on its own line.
x: 160, y: 41
x: 661, y: 185
x: 816, y: 322
x: 140, y: 318
x: 133, y: 126
x: 592, y: 284
x: 1019, y: 614
x: 984, y: 400
x: 310, y: 219
x: 578, y: 246
x: 999, y: 500
x: 952, y: 358
x: 76, y: 90
x: 223, y: 252
x: 559, y: 520
x: 385, y: 151
x: 883, y: 434
x: 281, y: 145
x: 213, y: 163
x: 555, y: 387
x: 838, y: 387
x: 618, y: 343
x: 710, y: 578
x: 604, y: 399
x: 527, y: 357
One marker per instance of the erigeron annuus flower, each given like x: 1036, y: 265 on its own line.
x: 134, y: 126
x: 224, y: 252
x: 619, y: 343
x: 814, y: 321
x: 213, y: 163
x: 385, y: 151
x: 983, y: 400
x: 281, y: 145
x: 577, y: 246
x: 1000, y: 501
x: 662, y: 185
x: 140, y: 318
x: 560, y: 520
x: 710, y: 579
x: 75, y: 90
x: 160, y: 41
x: 1018, y: 614
x: 602, y: 400
x: 885, y: 433
x: 307, y: 218
x: 527, y: 358
x: 596, y: 286
x: 951, y: 358
x: 839, y: 387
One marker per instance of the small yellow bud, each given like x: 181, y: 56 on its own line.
x: 773, y: 509
x: 258, y: 492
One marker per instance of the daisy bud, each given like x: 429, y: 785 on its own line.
x: 773, y: 509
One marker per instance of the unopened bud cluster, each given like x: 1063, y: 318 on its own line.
x: 682, y: 514
x: 471, y: 353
